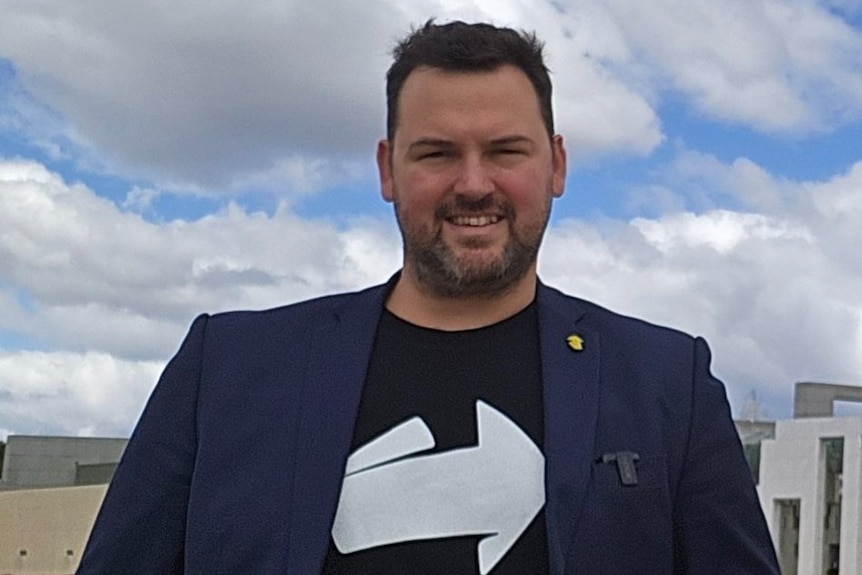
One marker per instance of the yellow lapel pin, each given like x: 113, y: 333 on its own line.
x: 575, y: 342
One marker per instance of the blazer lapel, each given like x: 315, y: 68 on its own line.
x: 339, y: 354
x: 571, y: 395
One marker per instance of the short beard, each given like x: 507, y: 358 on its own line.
x: 440, y: 272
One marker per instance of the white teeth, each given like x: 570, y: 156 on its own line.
x: 475, y: 221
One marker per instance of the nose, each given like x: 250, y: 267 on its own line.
x: 473, y: 178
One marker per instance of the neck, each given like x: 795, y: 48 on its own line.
x: 411, y: 302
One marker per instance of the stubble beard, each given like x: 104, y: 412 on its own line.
x: 441, y: 271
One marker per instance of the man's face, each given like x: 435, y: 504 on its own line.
x: 472, y: 172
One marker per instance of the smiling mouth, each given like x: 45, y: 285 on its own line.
x: 474, y: 221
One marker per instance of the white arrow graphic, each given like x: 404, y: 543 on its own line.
x: 494, y: 488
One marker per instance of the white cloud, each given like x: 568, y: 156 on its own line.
x: 193, y: 92
x: 773, y: 65
x: 721, y: 230
x: 706, y: 182
x: 197, y: 96
x: 600, y: 114
x: 778, y: 295
x: 99, y: 278
x: 222, y: 96
x: 288, y: 98
x: 67, y: 393
x: 841, y: 198
x: 117, y: 293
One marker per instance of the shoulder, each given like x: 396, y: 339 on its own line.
x: 299, y: 317
x: 607, y: 322
x: 328, y: 305
x: 653, y: 355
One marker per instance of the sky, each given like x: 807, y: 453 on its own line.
x: 162, y: 160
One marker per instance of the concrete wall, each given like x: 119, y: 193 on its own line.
x: 94, y: 473
x: 818, y: 399
x: 793, y: 467
x: 754, y: 432
x: 44, y: 530
x: 35, y: 461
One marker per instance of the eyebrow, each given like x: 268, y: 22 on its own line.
x: 430, y: 143
x: 509, y: 140
x: 448, y: 144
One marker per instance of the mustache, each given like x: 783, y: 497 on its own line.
x: 462, y: 206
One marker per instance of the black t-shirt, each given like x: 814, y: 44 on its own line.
x: 423, y: 493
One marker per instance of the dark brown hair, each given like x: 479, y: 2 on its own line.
x: 461, y: 47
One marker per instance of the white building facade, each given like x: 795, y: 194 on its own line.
x: 810, y: 487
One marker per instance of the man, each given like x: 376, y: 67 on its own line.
x: 462, y: 418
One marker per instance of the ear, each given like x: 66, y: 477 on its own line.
x: 558, y: 150
x: 384, y: 169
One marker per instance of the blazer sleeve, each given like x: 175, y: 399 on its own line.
x: 140, y: 528
x: 718, y: 522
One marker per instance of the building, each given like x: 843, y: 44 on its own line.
x: 810, y: 483
x: 50, y: 491
x: 32, y: 462
x: 808, y: 472
x: 44, y: 530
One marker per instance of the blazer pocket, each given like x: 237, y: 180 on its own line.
x: 616, y: 473
x: 626, y: 526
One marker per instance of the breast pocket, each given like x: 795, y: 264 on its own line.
x: 626, y: 526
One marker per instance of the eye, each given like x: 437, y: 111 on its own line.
x: 509, y: 152
x: 508, y: 156
x: 435, y: 155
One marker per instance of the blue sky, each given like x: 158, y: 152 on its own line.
x: 160, y: 163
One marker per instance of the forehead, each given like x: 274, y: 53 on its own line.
x: 503, y: 98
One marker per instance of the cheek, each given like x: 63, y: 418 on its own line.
x: 528, y: 193
x: 419, y: 192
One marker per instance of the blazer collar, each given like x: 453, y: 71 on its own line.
x: 340, y: 348
x: 571, y: 394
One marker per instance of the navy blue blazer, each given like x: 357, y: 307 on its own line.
x: 237, y: 461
